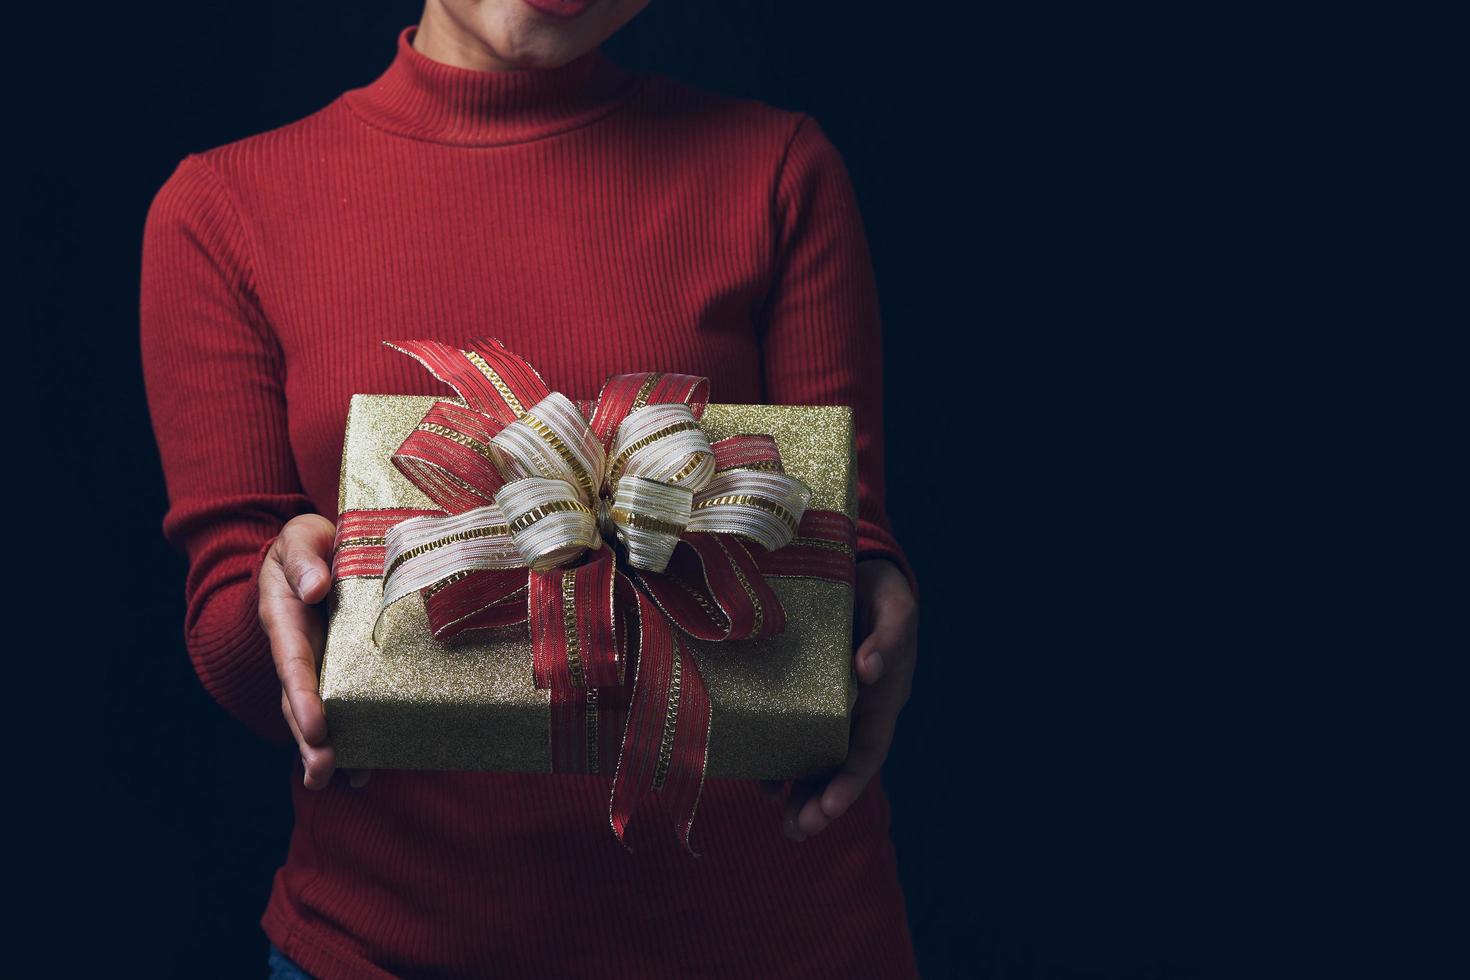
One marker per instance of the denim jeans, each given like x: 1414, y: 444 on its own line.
x: 284, y: 969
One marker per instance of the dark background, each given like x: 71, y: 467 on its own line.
x: 1038, y: 191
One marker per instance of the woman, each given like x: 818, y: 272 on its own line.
x: 503, y: 177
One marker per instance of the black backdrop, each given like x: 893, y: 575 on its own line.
x: 1061, y: 800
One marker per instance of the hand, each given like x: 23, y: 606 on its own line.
x: 887, y: 617
x: 294, y: 578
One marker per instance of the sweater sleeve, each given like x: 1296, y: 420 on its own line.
x: 820, y: 324
x: 213, y: 373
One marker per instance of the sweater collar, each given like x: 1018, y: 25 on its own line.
x: 430, y: 100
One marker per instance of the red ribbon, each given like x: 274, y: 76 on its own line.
x: 626, y: 695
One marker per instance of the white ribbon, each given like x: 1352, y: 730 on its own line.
x: 562, y: 491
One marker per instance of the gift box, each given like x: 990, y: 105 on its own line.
x: 403, y: 690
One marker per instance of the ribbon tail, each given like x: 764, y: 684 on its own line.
x: 685, y: 782
x: 578, y: 653
x: 574, y: 637
x: 666, y: 741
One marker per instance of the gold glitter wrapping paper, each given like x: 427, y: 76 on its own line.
x: 781, y: 706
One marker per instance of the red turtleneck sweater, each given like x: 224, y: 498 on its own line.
x: 597, y: 220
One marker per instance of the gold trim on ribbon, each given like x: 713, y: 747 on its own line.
x: 760, y: 612
x: 553, y: 440
x: 750, y: 500
x: 473, y: 534
x: 716, y: 615
x: 645, y: 522
x: 593, y: 749
x: 841, y: 546
x: 545, y: 510
x: 495, y: 379
x: 644, y: 390
x: 569, y: 624
x: 616, y: 470
x: 759, y: 465
x: 445, y: 583
x: 671, y: 718
x: 433, y: 471
x: 695, y: 459
x: 454, y: 435
x: 370, y: 541
x: 515, y: 596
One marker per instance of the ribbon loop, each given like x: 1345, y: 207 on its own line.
x: 489, y: 378
x: 663, y: 443
x: 623, y: 394
x: 548, y: 521
x: 448, y: 457
x: 422, y: 552
x: 759, y: 506
x: 650, y: 517
x: 551, y: 440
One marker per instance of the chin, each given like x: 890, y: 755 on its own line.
x: 537, y: 47
x: 522, y: 37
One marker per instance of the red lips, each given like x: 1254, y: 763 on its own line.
x: 560, y: 8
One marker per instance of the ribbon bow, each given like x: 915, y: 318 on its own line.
x: 571, y: 517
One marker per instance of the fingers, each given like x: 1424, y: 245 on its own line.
x: 884, y: 663
x: 802, y: 800
x: 293, y: 578
x: 358, y: 778
x: 296, y: 632
x: 317, y: 762
x: 812, y: 806
x: 302, y: 549
x: 871, y: 737
x: 803, y: 809
x: 869, y: 657
x: 890, y: 617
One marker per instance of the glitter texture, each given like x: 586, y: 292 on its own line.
x: 780, y: 706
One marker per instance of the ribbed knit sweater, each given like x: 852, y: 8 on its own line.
x: 598, y: 220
